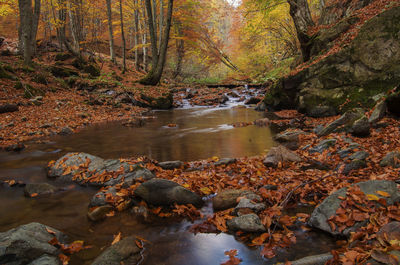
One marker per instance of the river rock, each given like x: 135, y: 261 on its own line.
x: 73, y: 163
x: 38, y: 189
x: 391, y: 160
x: 225, y: 161
x: 320, y: 259
x: 246, y: 204
x: 100, y: 198
x: 228, y: 198
x: 246, y: 223
x: 280, y: 154
x: 346, y: 120
x: 390, y: 231
x: 289, y: 139
x: 378, y: 112
x: 252, y: 101
x: 323, y: 145
x: 354, y: 165
x: 165, y: 193
x: 361, y: 127
x: 329, y: 206
x: 28, y: 243
x: 45, y: 260
x: 130, y: 177
x: 66, y: 131
x: 169, y: 165
x: 123, y: 252
x: 99, y: 213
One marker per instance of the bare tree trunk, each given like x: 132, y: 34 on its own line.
x: 73, y: 25
x: 123, y: 37
x: 161, y: 23
x: 180, y: 50
x: 110, y: 30
x: 154, y: 11
x: 301, y: 15
x: 144, y: 40
x: 158, y: 57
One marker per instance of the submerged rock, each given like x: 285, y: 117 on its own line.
x: 123, y: 252
x: 29, y: 243
x: 165, y: 193
x: 99, y: 213
x: 38, y: 189
x: 246, y: 223
x: 327, y: 209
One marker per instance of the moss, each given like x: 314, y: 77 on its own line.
x: 6, y: 75
x: 40, y: 79
x: 91, y: 69
x: 31, y: 91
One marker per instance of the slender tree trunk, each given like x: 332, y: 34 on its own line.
x: 161, y: 23
x: 110, y: 30
x: 144, y: 40
x: 159, y: 57
x: 301, y: 15
x: 73, y: 25
x: 180, y: 50
x: 29, y: 20
x: 136, y: 36
x: 154, y: 11
x: 123, y: 37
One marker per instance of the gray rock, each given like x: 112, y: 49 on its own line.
x: 391, y: 160
x: 246, y: 223
x: 323, y: 145
x: 329, y: 206
x: 130, y: 178
x: 170, y: 164
x: 288, y: 136
x: 123, y: 252
x: 312, y: 260
x: 245, y: 203
x: 270, y: 187
x: 99, y: 199
x: 228, y: 198
x: 66, y: 131
x: 378, y: 112
x: 28, y: 243
x: 322, y: 111
x: 345, y: 152
x: 39, y: 189
x: 280, y: 154
x: 360, y: 155
x: 165, y: 193
x: 346, y: 120
x: 99, y: 213
x: 318, y: 129
x: 354, y: 165
x: 225, y: 161
x: 46, y: 260
x: 74, y: 161
x: 361, y: 127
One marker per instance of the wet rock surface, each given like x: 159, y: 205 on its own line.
x: 123, y: 252
x: 246, y: 223
x: 228, y: 198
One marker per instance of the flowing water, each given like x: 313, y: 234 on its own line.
x: 200, y: 133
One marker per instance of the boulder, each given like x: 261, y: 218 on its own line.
x: 378, y: 112
x: 45, y: 260
x: 392, y: 159
x: 123, y: 252
x: 165, y: 193
x: 323, y: 145
x: 29, y: 243
x: 246, y: 223
x: 164, y: 101
x: 360, y: 127
x: 129, y: 177
x: 329, y: 206
x: 35, y: 189
x: 351, y: 75
x: 280, y: 154
x: 346, y: 120
x: 228, y: 198
x: 100, y: 198
x: 169, y: 165
x: 225, y: 161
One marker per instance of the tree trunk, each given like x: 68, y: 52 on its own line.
x: 27, y: 26
x: 110, y: 30
x: 301, y: 15
x: 158, y: 57
x: 136, y: 36
x: 180, y: 50
x: 35, y: 24
x: 161, y: 23
x: 123, y: 37
x: 73, y: 25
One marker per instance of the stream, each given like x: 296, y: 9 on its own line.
x: 200, y: 133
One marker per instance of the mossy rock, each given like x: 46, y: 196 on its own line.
x: 62, y: 72
x: 62, y: 56
x: 164, y: 102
